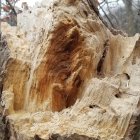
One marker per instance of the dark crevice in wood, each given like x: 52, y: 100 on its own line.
x: 127, y: 76
x: 85, y: 12
x: 72, y: 137
x: 7, y: 133
x: 136, y: 130
x: 117, y: 96
x: 101, y: 61
x: 36, y: 137
x: 92, y: 106
x: 1, y: 89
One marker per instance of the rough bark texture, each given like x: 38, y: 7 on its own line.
x: 4, y: 55
x: 69, y: 75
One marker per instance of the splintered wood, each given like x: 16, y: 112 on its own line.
x: 67, y: 74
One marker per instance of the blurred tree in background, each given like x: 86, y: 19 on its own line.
x: 120, y: 14
x: 9, y: 11
x: 123, y: 14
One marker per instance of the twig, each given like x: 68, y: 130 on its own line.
x: 11, y: 7
x: 107, y: 17
x: 95, y: 9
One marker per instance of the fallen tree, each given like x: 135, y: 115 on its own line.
x: 68, y: 74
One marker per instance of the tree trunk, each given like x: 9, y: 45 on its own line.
x: 130, y: 16
x: 69, y: 77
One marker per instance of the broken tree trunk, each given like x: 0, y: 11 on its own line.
x: 69, y: 76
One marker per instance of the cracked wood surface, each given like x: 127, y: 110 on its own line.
x: 68, y: 74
